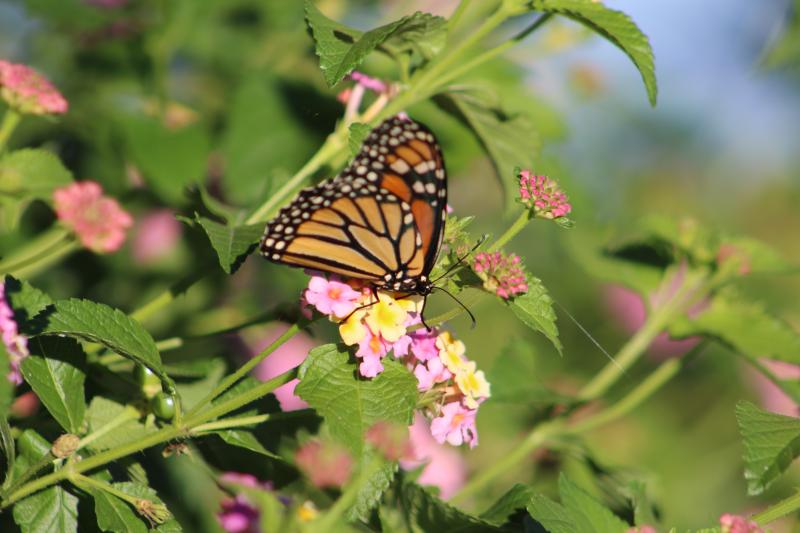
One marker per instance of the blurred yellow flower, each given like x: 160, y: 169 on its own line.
x: 307, y: 512
x: 473, y: 384
x: 387, y: 318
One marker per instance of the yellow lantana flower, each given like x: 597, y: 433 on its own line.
x: 307, y: 512
x: 451, y: 352
x: 412, y: 303
x: 353, y: 330
x: 473, y: 384
x: 387, y: 318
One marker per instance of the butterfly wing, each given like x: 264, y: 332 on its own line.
x: 380, y: 220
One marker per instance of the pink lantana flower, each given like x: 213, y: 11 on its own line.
x: 543, y: 195
x: 325, y: 464
x: 731, y: 523
x: 455, y: 425
x: 502, y: 275
x: 430, y: 373
x: 331, y: 297
x: 16, y: 344
x: 391, y: 440
x: 444, y: 467
x: 98, y: 221
x: 156, y: 235
x: 27, y: 91
x: 371, y: 350
x: 238, y: 515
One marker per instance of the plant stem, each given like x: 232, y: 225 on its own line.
x: 80, y: 479
x: 42, y: 244
x: 231, y: 379
x: 10, y: 121
x: 46, y: 260
x: 780, y: 509
x: 511, y: 232
x: 535, y: 438
x: 163, y: 435
x: 233, y: 422
x: 656, y: 321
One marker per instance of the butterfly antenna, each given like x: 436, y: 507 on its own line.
x: 461, y: 259
x: 590, y: 337
x: 459, y: 302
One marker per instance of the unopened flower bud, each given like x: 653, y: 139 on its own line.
x: 65, y: 445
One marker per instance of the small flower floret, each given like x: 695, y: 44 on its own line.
x: 543, y: 195
x: 502, y: 274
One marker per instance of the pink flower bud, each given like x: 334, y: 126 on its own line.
x: 27, y: 91
x: 501, y: 274
x: 543, y: 195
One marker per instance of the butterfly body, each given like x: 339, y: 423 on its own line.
x: 381, y: 220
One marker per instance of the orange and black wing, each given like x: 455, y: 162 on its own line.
x: 380, y: 220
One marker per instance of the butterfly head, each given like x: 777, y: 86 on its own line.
x: 420, y: 285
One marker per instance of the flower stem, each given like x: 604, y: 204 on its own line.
x: 511, y: 232
x: 10, y: 121
x: 52, y: 256
x: 80, y: 479
x: 780, y: 509
x: 32, y: 251
x: 230, y: 380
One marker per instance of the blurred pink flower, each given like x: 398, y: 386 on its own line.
x: 627, y: 307
x: 738, y: 524
x: 237, y: 514
x: 326, y: 464
x: 25, y: 405
x: 368, y: 82
x: 16, y: 344
x: 289, y: 355
x: 502, y: 275
x: 99, y: 221
x: 455, y: 425
x: 444, y: 467
x: 27, y: 91
x: 772, y: 397
x: 543, y: 195
x: 156, y: 235
x: 331, y: 297
x: 642, y: 529
x: 391, y: 439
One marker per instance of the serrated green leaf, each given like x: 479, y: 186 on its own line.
x: 746, y: 326
x: 518, y: 497
x: 371, y: 492
x: 771, y: 442
x: 247, y: 440
x: 510, y: 140
x: 141, y: 491
x: 425, y: 512
x: 552, y: 515
x: 169, y: 158
x: 25, y: 175
x: 329, y: 382
x: 54, y: 370
x: 50, y: 510
x: 535, y: 310
x: 96, y: 322
x: 26, y: 301
x: 616, y: 27
x: 588, y: 514
x: 342, y: 49
x: 103, y: 411
x: 358, y: 132
x: 232, y: 243
x: 116, y: 515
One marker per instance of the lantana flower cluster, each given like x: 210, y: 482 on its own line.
x: 27, y: 91
x: 16, y: 344
x: 378, y: 322
x: 99, y: 222
x: 543, y: 195
x: 502, y: 274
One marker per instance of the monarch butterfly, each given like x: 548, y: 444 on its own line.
x: 381, y: 220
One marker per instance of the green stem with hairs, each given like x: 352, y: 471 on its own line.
x: 779, y: 510
x: 85, y: 481
x: 7, y: 127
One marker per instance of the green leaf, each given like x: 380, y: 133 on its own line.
x: 761, y: 258
x: 643, y: 508
x: 535, y: 310
x: 342, y: 49
x: 127, y: 428
x: 771, y: 442
x: 50, y: 510
x: 232, y: 243
x: 426, y: 512
x: 744, y: 325
x: 25, y: 175
x: 257, y: 156
x: 358, y: 132
x: 96, y: 322
x: 513, y: 376
x: 26, y: 301
x: 330, y: 383
x: 247, y: 440
x: 511, y: 141
x: 169, y: 158
x: 518, y: 497
x: 116, y: 515
x: 6, y: 387
x: 588, y: 514
x: 54, y: 370
x: 144, y: 492
x: 370, y: 494
x: 615, y: 26
x: 552, y: 515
